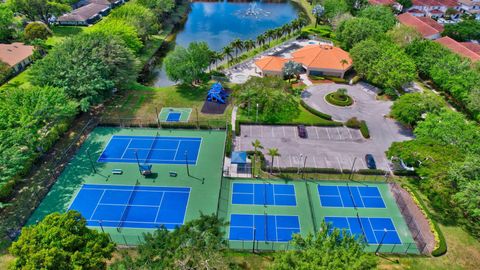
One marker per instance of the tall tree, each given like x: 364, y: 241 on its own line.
x: 291, y: 69
x: 318, y: 12
x: 142, y: 18
x: 61, y: 241
x: 352, y: 31
x: 328, y: 249
x: 88, y: 67
x: 42, y: 10
x: 198, y: 244
x: 187, y: 65
x: 6, y: 22
x: 409, y: 109
x: 227, y: 51
x: 121, y: 29
x: 273, y: 152
x: 237, y: 44
x: 256, y: 145
x: 381, y: 14
x: 334, y: 8
x: 465, y: 30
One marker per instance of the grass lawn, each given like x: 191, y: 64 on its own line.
x: 304, y: 117
x: 62, y: 32
x: 144, y: 102
x: 5, y: 261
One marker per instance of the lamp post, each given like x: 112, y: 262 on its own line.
x: 299, y: 163
x: 304, y: 165
x: 256, y: 115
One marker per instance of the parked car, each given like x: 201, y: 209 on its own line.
x: 370, y: 161
x: 302, y: 132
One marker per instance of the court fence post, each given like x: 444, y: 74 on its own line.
x: 125, y: 240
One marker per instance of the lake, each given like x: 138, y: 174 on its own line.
x: 219, y: 23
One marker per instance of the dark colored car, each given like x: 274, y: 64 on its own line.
x: 302, y: 132
x: 370, y: 161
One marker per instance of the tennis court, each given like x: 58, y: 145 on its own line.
x: 275, y: 228
x: 350, y: 196
x: 151, y: 149
x: 132, y: 206
x: 264, y: 194
x: 168, y: 114
x: 375, y: 230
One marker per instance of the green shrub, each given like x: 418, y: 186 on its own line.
x: 364, y: 129
x: 316, y: 78
x: 315, y: 112
x: 336, y: 79
x: 356, y: 79
x: 229, y: 142
x: 37, y: 30
x: 339, y: 99
x: 353, y: 123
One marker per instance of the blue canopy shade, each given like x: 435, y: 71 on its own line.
x: 239, y: 157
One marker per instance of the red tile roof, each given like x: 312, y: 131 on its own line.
x: 426, y: 26
x: 15, y: 53
x: 271, y: 63
x: 446, y: 3
x: 460, y: 48
x: 381, y: 2
x: 322, y: 57
x: 474, y: 47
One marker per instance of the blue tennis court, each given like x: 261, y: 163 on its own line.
x: 375, y: 230
x: 152, y: 149
x: 264, y: 194
x: 263, y: 227
x: 174, y: 116
x: 132, y: 206
x: 350, y: 196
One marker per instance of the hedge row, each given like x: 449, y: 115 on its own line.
x: 315, y: 112
x: 364, y: 129
x: 442, y: 243
x: 327, y: 124
x: 331, y: 99
x: 229, y: 142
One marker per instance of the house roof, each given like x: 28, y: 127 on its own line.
x: 322, y: 56
x: 436, y: 11
x: 382, y: 2
x: 84, y: 13
x: 475, y: 47
x: 436, y: 3
x: 271, y: 63
x: 414, y: 10
x: 460, y: 48
x: 14, y: 53
x: 426, y: 26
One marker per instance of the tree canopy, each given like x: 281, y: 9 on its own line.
x: 42, y: 10
x: 334, y: 8
x: 381, y: 14
x: 464, y: 30
x: 120, y: 29
x: 354, y: 30
x: 140, y: 17
x: 409, y: 109
x: 61, y: 241
x: 187, y: 65
x: 37, y: 30
x: 272, y: 94
x: 326, y: 250
x: 87, y: 67
x: 195, y: 245
x: 6, y: 21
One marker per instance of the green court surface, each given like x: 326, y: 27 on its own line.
x: 169, y: 114
x: 205, y: 176
x: 311, y: 213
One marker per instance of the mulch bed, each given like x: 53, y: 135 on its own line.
x: 210, y: 107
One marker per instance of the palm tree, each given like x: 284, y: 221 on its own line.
x: 256, y: 145
x: 270, y: 34
x: 238, y: 45
x: 344, y: 62
x: 227, y: 51
x: 318, y: 11
x: 261, y: 39
x: 249, y: 44
x: 273, y: 152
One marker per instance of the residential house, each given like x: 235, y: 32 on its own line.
x: 427, y: 27
x: 88, y: 12
x: 469, y: 50
x: 432, y: 8
x: 318, y: 60
x: 397, y: 6
x: 471, y: 7
x: 17, y: 55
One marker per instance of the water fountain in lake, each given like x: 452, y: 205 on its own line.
x: 253, y: 11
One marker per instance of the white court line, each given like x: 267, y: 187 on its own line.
x: 328, y: 133
x: 371, y: 227
x: 160, y: 205
x: 349, y: 132
x: 131, y: 205
x: 126, y: 148
x: 340, y: 195
x: 294, y: 132
x: 176, y: 152
x: 96, y: 206
x: 326, y: 162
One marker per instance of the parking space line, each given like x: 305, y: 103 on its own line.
x: 328, y: 133
x: 294, y: 132
x: 349, y: 132
x: 284, y: 135
x: 290, y: 158
x: 316, y: 131
x: 326, y: 162
x: 339, y: 164
x: 363, y: 163
x: 339, y: 135
x: 315, y: 162
x: 273, y: 135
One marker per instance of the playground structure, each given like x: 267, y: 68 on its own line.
x: 217, y: 94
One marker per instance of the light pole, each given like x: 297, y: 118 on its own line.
x: 304, y: 165
x: 299, y: 163
x: 256, y: 116
x: 351, y: 171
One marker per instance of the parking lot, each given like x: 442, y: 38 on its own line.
x: 325, y: 147
x: 332, y: 147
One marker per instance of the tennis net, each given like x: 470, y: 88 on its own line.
x: 151, y: 148
x: 363, y: 230
x: 127, y: 206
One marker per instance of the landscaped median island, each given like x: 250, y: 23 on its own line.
x: 339, y: 98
